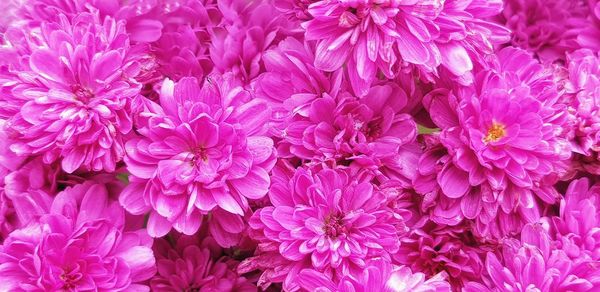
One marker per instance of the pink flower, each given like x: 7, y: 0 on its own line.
x: 204, y: 149
x: 372, y: 36
x: 247, y: 30
x: 535, y: 265
x: 542, y: 27
x: 577, y: 228
x: 453, y: 250
x: 583, y: 100
x: 504, y: 139
x: 74, y: 103
x: 330, y: 221
x: 80, y: 244
x: 377, y: 276
x: 191, y: 265
x: 368, y: 132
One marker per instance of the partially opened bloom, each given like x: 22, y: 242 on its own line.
x: 505, y: 142
x: 372, y: 36
x: 194, y: 265
x: 74, y: 91
x: 329, y: 220
x: 204, y: 149
x: 377, y: 276
x: 81, y: 244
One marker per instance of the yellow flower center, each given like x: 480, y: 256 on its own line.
x: 496, y: 132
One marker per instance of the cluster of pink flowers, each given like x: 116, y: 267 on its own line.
x: 300, y: 145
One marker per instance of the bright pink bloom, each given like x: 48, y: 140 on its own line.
x: 534, y: 264
x: 247, y: 30
x: 371, y: 36
x: 504, y: 138
x: 377, y: 276
x: 367, y: 132
x: 191, y: 265
x: 204, y: 149
x: 80, y: 244
x: 74, y: 103
x: 542, y: 27
x: 435, y: 248
x: 330, y: 221
x: 577, y: 228
x: 583, y: 100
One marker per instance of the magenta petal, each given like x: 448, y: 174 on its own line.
x: 255, y: 185
x: 453, y: 181
x: 158, y: 226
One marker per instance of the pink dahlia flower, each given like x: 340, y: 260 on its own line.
x: 204, y: 149
x: 372, y: 36
x: 330, y: 221
x: 535, y: 265
x: 191, y: 265
x: 583, y: 100
x: 377, y: 276
x: 542, y: 27
x: 505, y: 141
x: 368, y: 132
x: 577, y: 228
x: 74, y: 97
x: 80, y: 245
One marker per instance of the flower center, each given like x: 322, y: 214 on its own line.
x: 83, y: 94
x: 334, y: 226
x: 69, y: 278
x: 496, y: 132
x: 200, y: 154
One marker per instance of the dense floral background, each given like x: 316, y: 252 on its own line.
x: 300, y: 145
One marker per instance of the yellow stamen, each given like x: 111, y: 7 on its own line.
x: 496, y: 132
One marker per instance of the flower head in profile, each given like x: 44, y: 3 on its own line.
x: 194, y: 265
x: 73, y: 93
x: 330, y: 220
x: 380, y: 36
x: 203, y: 149
x: 377, y: 276
x: 80, y: 244
x: 505, y: 142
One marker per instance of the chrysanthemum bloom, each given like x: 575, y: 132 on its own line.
x: 330, y: 221
x: 435, y: 248
x: 534, y: 264
x: 542, y: 27
x: 368, y: 131
x: 291, y: 82
x: 505, y: 142
x: 80, y: 245
x: 587, y: 29
x: 202, y: 150
x: 377, y: 276
x: 582, y: 97
x: 247, y: 30
x: 371, y: 36
x: 577, y: 228
x: 74, y: 91
x: 191, y: 265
